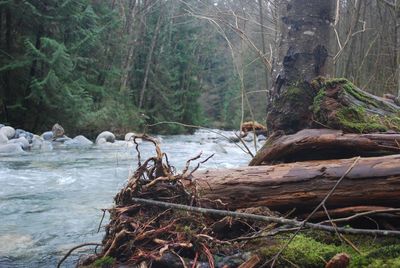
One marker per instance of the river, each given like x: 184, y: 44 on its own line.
x: 51, y: 201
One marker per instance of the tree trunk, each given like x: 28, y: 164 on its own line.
x: 129, y: 32
x: 305, y: 27
x: 149, y: 60
x: 320, y: 144
x: 373, y: 181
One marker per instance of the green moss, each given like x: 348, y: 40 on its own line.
x: 360, y: 119
x: 293, y: 93
x: 105, y: 261
x: 356, y: 119
x: 318, y: 101
x: 314, y: 249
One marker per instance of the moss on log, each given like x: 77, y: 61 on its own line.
x: 339, y: 104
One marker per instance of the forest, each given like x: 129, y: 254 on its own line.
x: 123, y: 64
x: 293, y: 107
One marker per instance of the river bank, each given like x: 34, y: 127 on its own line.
x: 51, y: 200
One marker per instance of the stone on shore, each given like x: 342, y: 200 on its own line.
x: 107, y: 135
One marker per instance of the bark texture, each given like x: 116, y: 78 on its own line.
x: 319, y: 144
x: 304, y: 49
x: 374, y: 181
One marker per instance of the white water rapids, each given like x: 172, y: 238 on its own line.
x: 52, y: 201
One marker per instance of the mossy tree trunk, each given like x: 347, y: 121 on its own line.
x: 304, y: 49
x: 341, y: 105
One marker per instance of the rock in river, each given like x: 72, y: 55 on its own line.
x: 78, y: 141
x: 107, y: 135
x: 3, y: 138
x: 58, y: 131
x: 11, y: 148
x: 47, y: 136
x: 22, y: 141
x: 9, y: 132
x: 129, y: 136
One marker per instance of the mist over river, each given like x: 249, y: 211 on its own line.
x: 51, y: 201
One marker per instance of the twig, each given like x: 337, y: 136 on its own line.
x: 244, y: 144
x: 102, y: 218
x: 197, y: 127
x: 363, y: 214
x: 321, y: 204
x: 74, y: 248
x: 255, y: 217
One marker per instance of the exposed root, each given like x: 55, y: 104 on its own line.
x: 158, y: 221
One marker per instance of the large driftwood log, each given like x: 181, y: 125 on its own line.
x: 318, y: 144
x: 374, y: 181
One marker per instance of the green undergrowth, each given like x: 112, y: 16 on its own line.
x: 103, y: 262
x: 313, y: 249
x: 356, y: 111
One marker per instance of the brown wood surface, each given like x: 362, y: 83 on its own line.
x: 316, y: 144
x: 374, y: 181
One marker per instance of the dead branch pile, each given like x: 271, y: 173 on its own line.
x: 159, y: 221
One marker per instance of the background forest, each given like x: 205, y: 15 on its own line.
x: 119, y: 65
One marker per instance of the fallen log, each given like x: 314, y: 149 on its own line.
x: 374, y: 181
x: 319, y: 144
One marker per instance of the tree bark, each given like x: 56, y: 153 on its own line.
x: 148, y: 61
x: 373, y: 181
x: 320, y: 144
x: 304, y: 47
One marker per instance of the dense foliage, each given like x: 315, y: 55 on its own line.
x: 92, y: 65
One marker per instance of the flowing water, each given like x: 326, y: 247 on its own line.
x: 51, y: 201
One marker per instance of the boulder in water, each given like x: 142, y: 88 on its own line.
x: 3, y: 138
x: 62, y: 139
x: 78, y: 141
x: 58, y: 131
x: 101, y: 141
x: 18, y: 133
x: 47, y: 136
x: 8, y: 131
x: 129, y: 136
x: 22, y: 141
x: 249, y: 137
x: 11, y: 148
x: 27, y: 135
x: 107, y: 135
x: 261, y: 138
x: 36, y: 142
